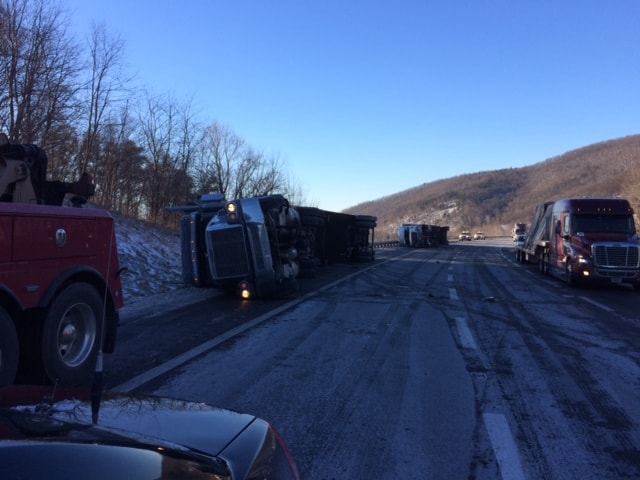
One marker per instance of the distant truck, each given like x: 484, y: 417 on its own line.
x: 261, y: 246
x: 422, y: 235
x: 60, y: 288
x: 519, y: 229
x: 584, y: 240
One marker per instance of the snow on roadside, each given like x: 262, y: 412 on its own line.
x: 153, y: 280
x: 152, y: 257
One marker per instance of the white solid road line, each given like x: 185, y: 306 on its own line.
x: 599, y: 305
x: 504, y: 447
x: 466, y: 338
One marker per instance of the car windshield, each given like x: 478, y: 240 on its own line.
x: 592, y: 223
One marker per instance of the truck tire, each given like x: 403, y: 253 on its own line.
x: 71, y: 335
x: 543, y: 263
x: 9, y: 349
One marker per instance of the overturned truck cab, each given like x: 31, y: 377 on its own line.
x: 252, y: 246
x: 260, y: 246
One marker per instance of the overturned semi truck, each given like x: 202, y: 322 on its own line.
x: 422, y: 236
x: 262, y: 246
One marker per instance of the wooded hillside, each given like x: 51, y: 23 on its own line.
x: 492, y: 201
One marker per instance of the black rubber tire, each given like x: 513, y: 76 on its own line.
x: 71, y: 335
x: 9, y: 349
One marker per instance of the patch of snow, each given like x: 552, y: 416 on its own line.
x: 151, y: 256
x: 153, y: 280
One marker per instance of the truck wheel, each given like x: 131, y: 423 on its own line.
x: 9, y: 349
x: 71, y: 335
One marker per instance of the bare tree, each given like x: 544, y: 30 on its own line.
x: 128, y: 191
x: 167, y: 134
x: 119, y: 175
x: 293, y: 190
x: 39, y: 67
x: 257, y: 175
x: 163, y: 157
x: 229, y: 166
x: 220, y: 151
x: 106, y: 90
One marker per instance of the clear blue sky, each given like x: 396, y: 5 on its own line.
x: 363, y: 99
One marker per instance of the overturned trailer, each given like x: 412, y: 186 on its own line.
x: 338, y: 237
x: 422, y: 236
x: 260, y: 246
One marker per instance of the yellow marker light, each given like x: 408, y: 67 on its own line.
x: 245, y: 294
x: 231, y: 207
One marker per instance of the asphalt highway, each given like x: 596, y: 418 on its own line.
x: 451, y: 362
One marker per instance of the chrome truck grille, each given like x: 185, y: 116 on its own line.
x: 621, y: 256
x: 227, y: 253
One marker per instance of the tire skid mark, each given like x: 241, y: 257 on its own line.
x: 602, y: 424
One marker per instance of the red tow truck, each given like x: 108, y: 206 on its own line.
x: 60, y: 288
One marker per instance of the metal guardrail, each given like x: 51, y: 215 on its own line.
x: 386, y: 244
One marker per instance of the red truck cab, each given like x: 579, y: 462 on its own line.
x: 594, y: 239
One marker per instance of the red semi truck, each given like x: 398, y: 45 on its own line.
x: 584, y: 239
x: 60, y: 287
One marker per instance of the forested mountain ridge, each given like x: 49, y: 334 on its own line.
x: 492, y: 201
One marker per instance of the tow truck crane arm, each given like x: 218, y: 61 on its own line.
x: 23, y: 178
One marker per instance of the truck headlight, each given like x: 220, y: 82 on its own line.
x: 232, y: 212
x: 245, y: 290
